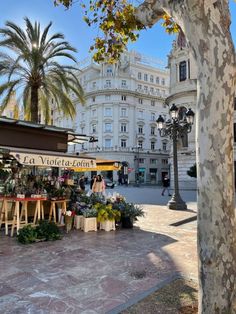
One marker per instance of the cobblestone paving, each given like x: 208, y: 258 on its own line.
x: 92, y: 273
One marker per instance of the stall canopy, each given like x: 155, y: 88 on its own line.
x: 50, y: 159
x: 102, y: 165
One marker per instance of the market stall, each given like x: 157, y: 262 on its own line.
x: 33, y: 172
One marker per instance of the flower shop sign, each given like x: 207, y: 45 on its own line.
x: 53, y: 161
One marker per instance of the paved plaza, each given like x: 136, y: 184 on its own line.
x: 100, y: 272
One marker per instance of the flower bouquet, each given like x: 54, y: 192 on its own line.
x: 68, y: 216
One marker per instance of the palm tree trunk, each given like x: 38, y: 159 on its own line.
x: 34, y: 107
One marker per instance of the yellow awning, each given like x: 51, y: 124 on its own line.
x: 102, y: 165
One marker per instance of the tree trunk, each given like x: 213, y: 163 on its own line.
x: 206, y: 26
x: 215, y: 56
x: 34, y: 107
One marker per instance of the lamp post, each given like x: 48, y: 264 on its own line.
x: 174, y: 128
x: 136, y: 160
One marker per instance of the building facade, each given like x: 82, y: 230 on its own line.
x: 123, y: 101
x: 183, y: 93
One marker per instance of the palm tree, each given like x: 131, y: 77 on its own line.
x: 31, y: 67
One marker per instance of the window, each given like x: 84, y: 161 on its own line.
x: 158, y: 91
x: 140, y: 144
x: 145, y: 77
x: 107, y: 97
x: 123, y: 83
x: 152, y: 145
x: 141, y: 160
x: 152, y: 130
x: 151, y: 78
x: 164, y: 161
x: 108, y: 83
x: 157, y: 80
x: 151, y: 90
x: 140, y: 129
x: 94, y: 113
x: 153, y: 116
x: 164, y: 146
x: 139, y: 87
x: 123, y: 112
x: 152, y: 102
x: 123, y: 127
x: 182, y: 71
x: 109, y: 71
x: 153, y: 161
x: 94, y: 84
x: 108, y: 143
x: 145, y: 89
x: 140, y: 101
x: 123, y: 143
x: 140, y: 114
x: 93, y: 99
x: 163, y: 81
x: 108, y: 127
x: 139, y: 75
x: 108, y: 112
x: 123, y: 97
x: 94, y: 128
x: 235, y: 103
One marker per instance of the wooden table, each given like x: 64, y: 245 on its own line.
x: 17, y: 216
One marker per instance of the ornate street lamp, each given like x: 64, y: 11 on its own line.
x: 175, y: 128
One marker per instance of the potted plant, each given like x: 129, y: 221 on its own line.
x: 129, y: 213
x: 79, y: 218
x: 90, y: 219
x: 107, y: 216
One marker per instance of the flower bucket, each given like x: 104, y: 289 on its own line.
x: 68, y: 223
x: 108, y: 225
x: 126, y: 222
x: 78, y: 223
x: 89, y: 224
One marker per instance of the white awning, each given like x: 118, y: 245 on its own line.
x: 47, y: 159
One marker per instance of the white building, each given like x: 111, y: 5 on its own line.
x: 183, y: 93
x: 123, y: 101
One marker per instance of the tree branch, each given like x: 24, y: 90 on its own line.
x: 149, y: 12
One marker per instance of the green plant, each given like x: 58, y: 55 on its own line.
x: 48, y: 230
x: 131, y: 210
x: 105, y: 212
x: 27, y: 235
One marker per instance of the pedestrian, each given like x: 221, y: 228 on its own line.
x: 82, y: 183
x: 166, y: 185
x: 98, y: 185
x: 92, y: 181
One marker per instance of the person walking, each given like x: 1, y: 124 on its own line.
x: 92, y: 181
x: 98, y: 186
x: 166, y: 185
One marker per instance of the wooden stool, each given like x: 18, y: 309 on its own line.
x: 4, y: 213
x: 52, y: 211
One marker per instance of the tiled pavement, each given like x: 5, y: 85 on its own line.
x: 97, y: 272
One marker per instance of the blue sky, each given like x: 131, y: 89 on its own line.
x: 153, y: 42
